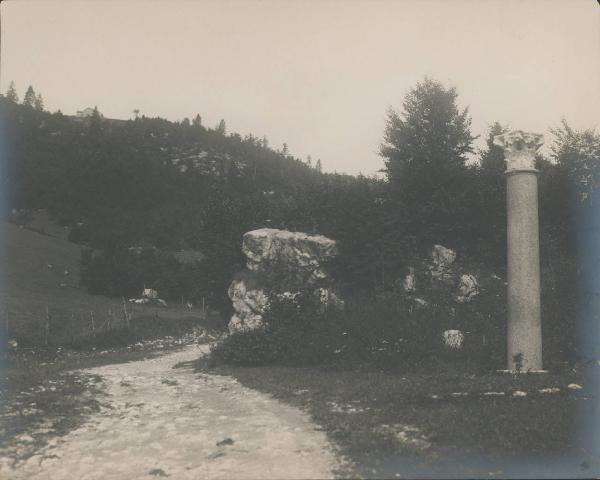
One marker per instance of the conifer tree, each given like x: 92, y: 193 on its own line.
x: 11, y: 93
x: 222, y: 127
x: 29, y: 98
x: 425, y: 150
x: 39, y: 103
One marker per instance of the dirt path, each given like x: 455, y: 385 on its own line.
x: 159, y: 421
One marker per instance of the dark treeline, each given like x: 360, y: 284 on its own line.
x: 168, y: 186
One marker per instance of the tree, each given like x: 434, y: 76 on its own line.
x: 197, y: 122
x: 492, y: 157
x: 490, y: 209
x: 578, y: 152
x: 11, y: 93
x: 29, y: 98
x: 136, y: 113
x: 319, y: 166
x: 39, y: 103
x: 222, y: 127
x: 95, y: 124
x: 425, y: 150
x: 285, y: 151
x: 309, y: 160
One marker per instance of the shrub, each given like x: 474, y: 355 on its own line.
x: 296, y: 330
x: 386, y: 332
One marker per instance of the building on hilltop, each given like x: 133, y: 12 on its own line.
x: 85, y: 113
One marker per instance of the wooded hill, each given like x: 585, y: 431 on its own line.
x: 136, y: 191
x: 152, y: 186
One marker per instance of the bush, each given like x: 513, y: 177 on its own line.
x: 387, y: 332
x: 296, y: 330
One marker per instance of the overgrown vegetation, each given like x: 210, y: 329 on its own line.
x: 386, y: 332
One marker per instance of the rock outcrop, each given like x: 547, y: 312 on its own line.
x: 468, y: 288
x: 441, y: 274
x: 279, y: 261
x: 441, y: 270
x: 441, y: 285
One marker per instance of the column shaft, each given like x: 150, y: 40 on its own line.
x: 524, y: 314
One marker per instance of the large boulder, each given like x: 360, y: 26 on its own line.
x: 279, y: 261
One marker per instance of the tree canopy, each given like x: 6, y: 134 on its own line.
x: 425, y: 150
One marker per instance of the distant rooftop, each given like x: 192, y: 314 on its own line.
x: 86, y: 112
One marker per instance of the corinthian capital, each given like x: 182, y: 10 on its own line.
x: 519, y: 149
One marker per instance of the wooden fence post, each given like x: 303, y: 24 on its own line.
x: 126, y: 315
x: 47, y: 326
x: 93, y: 325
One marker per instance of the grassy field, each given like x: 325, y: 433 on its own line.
x: 41, y: 394
x: 427, y: 424
x: 40, y: 282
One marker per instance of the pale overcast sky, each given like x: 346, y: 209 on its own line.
x: 317, y: 74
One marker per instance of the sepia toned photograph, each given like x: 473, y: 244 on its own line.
x: 299, y: 239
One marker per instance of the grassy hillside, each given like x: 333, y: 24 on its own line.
x: 40, y: 280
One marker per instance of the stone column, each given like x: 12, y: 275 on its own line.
x: 523, y: 250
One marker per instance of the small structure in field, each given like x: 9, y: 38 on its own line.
x: 149, y: 293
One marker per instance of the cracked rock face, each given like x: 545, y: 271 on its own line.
x: 296, y: 254
x: 276, y: 259
x: 248, y: 305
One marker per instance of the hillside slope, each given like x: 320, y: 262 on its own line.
x: 40, y: 279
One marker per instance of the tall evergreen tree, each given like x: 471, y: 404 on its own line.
x: 39, y: 103
x: 29, y: 98
x: 222, y: 127
x: 425, y: 150
x: 11, y: 93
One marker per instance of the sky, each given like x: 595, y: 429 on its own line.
x: 319, y: 75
